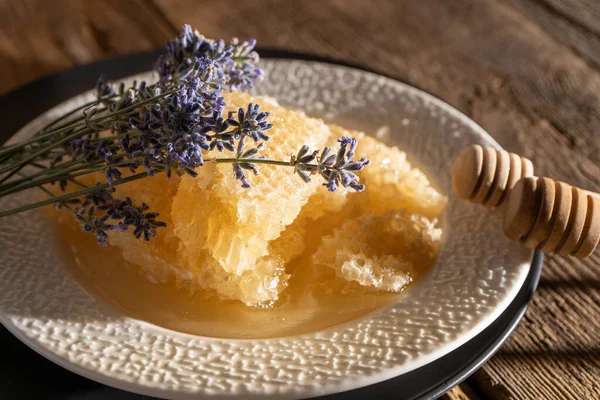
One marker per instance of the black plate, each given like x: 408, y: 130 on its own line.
x: 25, y: 374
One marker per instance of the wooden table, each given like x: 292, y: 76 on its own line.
x: 528, y: 71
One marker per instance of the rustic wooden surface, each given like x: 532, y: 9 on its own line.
x: 528, y: 71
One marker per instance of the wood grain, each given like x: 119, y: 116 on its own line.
x: 526, y: 70
x: 41, y: 37
x: 461, y: 393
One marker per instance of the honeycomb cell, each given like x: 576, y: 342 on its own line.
x: 379, y: 252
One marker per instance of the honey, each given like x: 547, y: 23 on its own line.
x: 307, y: 304
x: 281, y: 258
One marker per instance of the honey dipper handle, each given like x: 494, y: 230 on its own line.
x: 540, y: 213
x: 553, y: 217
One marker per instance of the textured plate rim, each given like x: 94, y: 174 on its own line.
x: 338, y: 386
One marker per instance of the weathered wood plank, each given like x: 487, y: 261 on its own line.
x: 584, y: 13
x: 567, y: 22
x: 461, y: 392
x: 526, y: 70
x: 41, y: 37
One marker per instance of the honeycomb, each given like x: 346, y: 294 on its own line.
x: 222, y: 237
x: 379, y: 252
x: 161, y: 260
x: 291, y: 243
x: 236, y: 243
x: 235, y: 225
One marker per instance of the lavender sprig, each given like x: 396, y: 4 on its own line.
x: 165, y: 127
x: 234, y: 62
x: 126, y: 214
x: 96, y: 225
x: 336, y: 168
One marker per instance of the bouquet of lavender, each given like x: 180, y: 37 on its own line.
x: 166, y: 128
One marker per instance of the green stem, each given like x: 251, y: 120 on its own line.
x: 98, y: 166
x: 49, y: 193
x: 18, y: 165
x: 42, y: 133
x: 46, y: 171
x: 64, y: 174
x: 103, y: 118
x: 75, y: 181
x: 68, y: 196
x: 252, y: 161
x: 37, y: 165
x: 81, y: 107
x: 12, y: 149
x: 13, y: 158
x: 33, y: 156
x: 112, y: 138
x: 257, y: 161
x: 5, y: 158
x: 69, y: 123
x: 65, y: 116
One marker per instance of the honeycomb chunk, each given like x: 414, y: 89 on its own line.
x: 161, y: 262
x: 292, y: 241
x: 259, y: 286
x: 256, y: 287
x: 380, y: 252
x: 235, y: 225
x: 392, y: 182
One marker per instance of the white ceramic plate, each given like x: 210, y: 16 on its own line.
x: 476, y: 276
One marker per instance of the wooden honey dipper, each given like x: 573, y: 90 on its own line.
x: 540, y: 213
x: 553, y: 217
x: 484, y: 175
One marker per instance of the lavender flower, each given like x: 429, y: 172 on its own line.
x: 96, y: 225
x: 172, y: 132
x: 102, y: 199
x: 235, y: 62
x: 251, y: 122
x: 124, y: 212
x: 301, y: 163
x: 104, y: 88
x: 243, y: 71
x: 336, y: 168
x: 143, y: 222
x: 239, y: 166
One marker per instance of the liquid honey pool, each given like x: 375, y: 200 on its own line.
x: 307, y: 305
